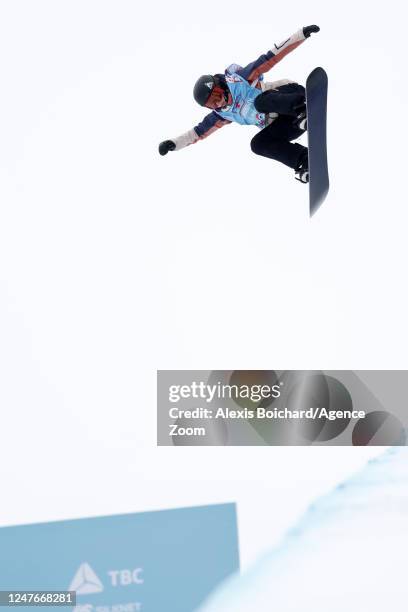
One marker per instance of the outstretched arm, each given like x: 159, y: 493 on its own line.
x: 266, y: 61
x: 207, y: 126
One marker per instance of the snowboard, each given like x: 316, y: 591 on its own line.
x: 316, y: 109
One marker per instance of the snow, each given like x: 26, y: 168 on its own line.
x: 348, y: 552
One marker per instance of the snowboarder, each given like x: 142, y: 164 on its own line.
x: 241, y: 95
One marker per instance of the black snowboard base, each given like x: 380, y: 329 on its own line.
x: 316, y: 108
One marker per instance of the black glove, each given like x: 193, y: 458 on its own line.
x: 166, y: 146
x: 308, y: 30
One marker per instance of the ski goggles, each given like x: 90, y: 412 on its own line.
x: 216, y: 98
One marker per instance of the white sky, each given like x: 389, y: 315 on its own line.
x: 115, y: 262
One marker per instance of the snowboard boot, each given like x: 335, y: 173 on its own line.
x: 302, y: 169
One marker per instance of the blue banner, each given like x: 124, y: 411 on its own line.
x: 158, y: 561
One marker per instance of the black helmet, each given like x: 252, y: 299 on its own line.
x: 203, y: 88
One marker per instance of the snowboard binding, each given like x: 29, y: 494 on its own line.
x: 301, y: 121
x: 302, y: 169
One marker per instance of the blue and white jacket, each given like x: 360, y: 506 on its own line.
x: 245, y: 84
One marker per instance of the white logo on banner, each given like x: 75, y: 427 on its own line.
x: 86, y: 581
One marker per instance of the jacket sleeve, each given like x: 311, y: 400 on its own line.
x: 207, y: 126
x: 266, y: 61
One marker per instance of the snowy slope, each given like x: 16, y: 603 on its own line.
x: 347, y: 553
